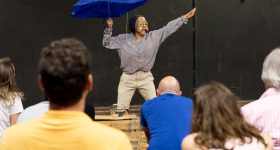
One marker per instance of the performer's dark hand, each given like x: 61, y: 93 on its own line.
x: 190, y: 14
x: 110, y: 22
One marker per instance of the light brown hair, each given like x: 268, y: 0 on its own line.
x: 217, y: 118
x: 8, y: 87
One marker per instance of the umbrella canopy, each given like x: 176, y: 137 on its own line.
x: 104, y: 8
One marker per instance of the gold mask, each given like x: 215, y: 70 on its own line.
x: 141, y: 24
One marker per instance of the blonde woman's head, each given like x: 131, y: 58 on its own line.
x: 8, y: 87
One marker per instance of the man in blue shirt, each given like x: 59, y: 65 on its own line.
x: 166, y: 119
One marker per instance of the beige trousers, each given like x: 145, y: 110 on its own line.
x: 143, y: 81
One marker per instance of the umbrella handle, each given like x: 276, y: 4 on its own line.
x: 104, y: 26
x: 109, y: 10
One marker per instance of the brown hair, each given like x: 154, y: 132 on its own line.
x: 64, y: 67
x: 8, y: 87
x: 216, y: 117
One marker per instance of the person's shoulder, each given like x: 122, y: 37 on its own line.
x: 148, y: 105
x: 190, y: 138
x: 150, y: 101
x: 255, y: 105
x: 25, y: 125
x: 104, y: 129
x: 37, y: 108
x: 38, y: 105
x: 185, y: 99
x: 20, y: 131
x: 17, y: 98
x: 104, y: 133
x: 188, y: 142
x: 268, y: 140
x: 125, y: 35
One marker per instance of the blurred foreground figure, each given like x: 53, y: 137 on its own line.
x: 265, y: 112
x: 66, y: 79
x: 166, y: 119
x: 10, y: 96
x: 217, y: 123
x: 38, y: 110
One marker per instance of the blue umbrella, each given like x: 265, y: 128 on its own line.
x: 104, y: 8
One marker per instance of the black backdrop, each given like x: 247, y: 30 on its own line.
x: 226, y: 41
x: 27, y: 26
x: 232, y: 40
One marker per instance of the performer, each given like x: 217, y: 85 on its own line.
x: 137, y: 52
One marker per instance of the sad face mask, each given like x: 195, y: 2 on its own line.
x: 141, y: 24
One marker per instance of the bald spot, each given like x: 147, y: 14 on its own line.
x: 169, y: 84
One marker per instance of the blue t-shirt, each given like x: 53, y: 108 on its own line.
x: 168, y: 118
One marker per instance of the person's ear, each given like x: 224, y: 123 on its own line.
x: 158, y: 93
x: 40, y: 83
x: 180, y: 93
x: 89, y: 85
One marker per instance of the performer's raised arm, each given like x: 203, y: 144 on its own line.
x: 137, y: 51
x: 112, y: 42
x: 161, y: 34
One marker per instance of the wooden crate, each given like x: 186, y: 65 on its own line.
x: 129, y: 124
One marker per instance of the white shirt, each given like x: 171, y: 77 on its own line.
x: 34, y: 111
x: 6, y: 112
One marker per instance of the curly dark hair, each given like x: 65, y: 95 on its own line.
x: 64, y: 68
x: 217, y: 117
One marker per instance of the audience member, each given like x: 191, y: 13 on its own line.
x: 66, y: 79
x: 217, y: 123
x: 265, y: 112
x: 33, y: 111
x: 39, y: 110
x: 166, y: 119
x: 10, y: 96
x: 89, y: 110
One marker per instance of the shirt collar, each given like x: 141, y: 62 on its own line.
x: 65, y: 114
x: 270, y: 91
x: 167, y: 94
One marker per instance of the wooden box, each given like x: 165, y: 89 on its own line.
x: 129, y: 124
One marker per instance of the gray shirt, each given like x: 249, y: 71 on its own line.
x: 140, y: 55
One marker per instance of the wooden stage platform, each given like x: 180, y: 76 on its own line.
x: 135, y: 109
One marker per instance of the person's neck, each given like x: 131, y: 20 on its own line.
x: 168, y: 93
x: 138, y: 36
x: 173, y: 92
x: 80, y: 106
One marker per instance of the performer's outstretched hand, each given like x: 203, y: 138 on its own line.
x: 190, y: 14
x: 110, y: 22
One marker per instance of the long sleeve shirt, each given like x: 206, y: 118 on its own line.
x: 265, y: 114
x: 140, y: 55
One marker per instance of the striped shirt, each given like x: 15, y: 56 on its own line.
x: 140, y: 55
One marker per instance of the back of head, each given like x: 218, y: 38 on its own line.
x: 8, y: 87
x: 64, y: 68
x: 169, y: 84
x: 271, y: 69
x: 217, y: 117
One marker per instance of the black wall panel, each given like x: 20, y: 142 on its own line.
x: 231, y: 41
x: 27, y: 26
